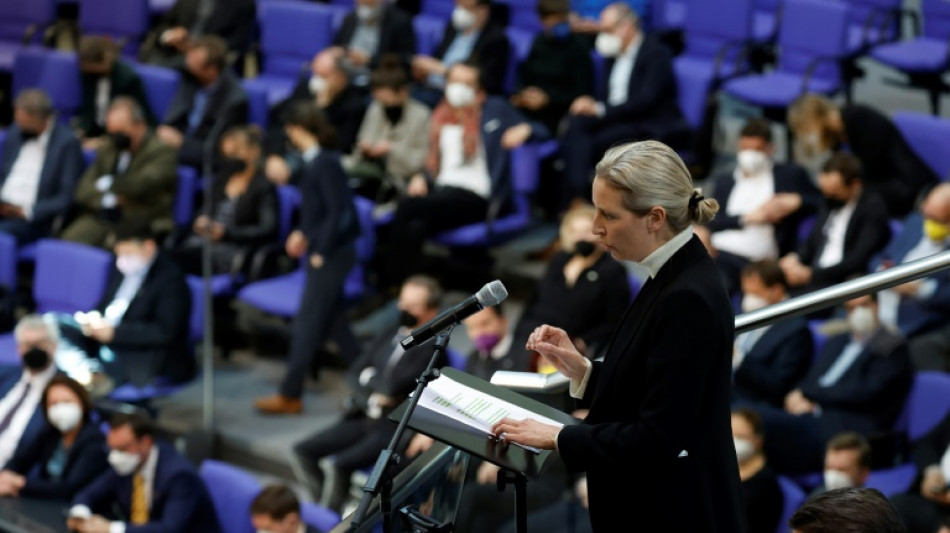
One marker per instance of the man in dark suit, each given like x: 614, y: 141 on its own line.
x: 764, y: 203
x: 380, y: 379
x: 640, y: 102
x: 768, y: 362
x: 276, y: 509
x: 134, y: 175
x: 209, y: 99
x: 926, y: 506
x: 22, y: 423
x: 851, y: 228
x: 143, y: 318
x: 373, y: 28
x: 40, y: 164
x: 471, y: 37
x: 104, y: 78
x: 188, y: 20
x: 150, y: 487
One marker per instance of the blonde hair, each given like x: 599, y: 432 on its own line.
x: 811, y: 110
x: 650, y: 174
x: 586, y: 211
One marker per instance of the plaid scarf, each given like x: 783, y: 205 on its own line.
x: 444, y: 114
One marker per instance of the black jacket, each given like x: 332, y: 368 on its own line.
x: 255, y: 213
x: 345, y: 114
x: 85, y: 460
x: 491, y: 52
x: 232, y: 20
x: 775, y: 364
x: 328, y: 215
x: 123, y: 81
x: 396, y: 34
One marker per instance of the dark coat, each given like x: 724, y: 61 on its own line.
x: 123, y: 81
x: 85, y: 460
x: 328, y: 216
x: 33, y: 433
x: 491, y: 53
x: 396, y: 34
x: 255, y: 213
x: 775, y: 364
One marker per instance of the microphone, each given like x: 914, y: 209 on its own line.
x: 491, y: 294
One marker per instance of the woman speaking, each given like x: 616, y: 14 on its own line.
x: 657, y: 444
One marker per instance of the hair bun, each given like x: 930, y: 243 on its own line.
x: 701, y: 209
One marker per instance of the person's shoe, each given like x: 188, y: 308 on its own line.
x: 279, y: 404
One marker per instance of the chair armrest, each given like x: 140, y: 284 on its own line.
x: 914, y: 18
x: 810, y: 69
x: 721, y: 57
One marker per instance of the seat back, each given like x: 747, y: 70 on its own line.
x: 119, y: 19
x: 668, y: 14
x: 184, y: 208
x: 892, y: 481
x: 438, y: 8
x: 792, y: 498
x: 355, y: 284
x: 69, y: 277
x: 288, y: 201
x: 935, y: 15
x: 292, y: 33
x: 523, y: 15
x: 710, y: 25
x: 232, y: 490
x: 927, y: 137
x: 7, y: 262
x: 429, y: 32
x: 812, y: 29
x: 55, y: 72
x: 161, y: 84
x: 318, y: 516
x: 765, y: 19
x: 520, y: 40
x: 18, y: 15
x: 876, y: 15
x: 196, y: 318
x: 692, y: 91
x: 258, y: 109
x: 927, y: 403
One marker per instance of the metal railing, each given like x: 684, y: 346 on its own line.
x: 801, y: 305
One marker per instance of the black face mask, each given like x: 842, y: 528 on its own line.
x: 834, y: 203
x: 584, y: 248
x: 26, y: 135
x: 121, y: 141
x: 407, y: 319
x: 232, y: 165
x: 36, y: 359
x: 393, y: 113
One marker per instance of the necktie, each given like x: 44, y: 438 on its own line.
x: 139, y: 505
x: 5, y: 423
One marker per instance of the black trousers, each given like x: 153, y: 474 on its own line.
x: 320, y: 306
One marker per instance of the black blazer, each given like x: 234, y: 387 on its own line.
x: 232, y: 20
x: 345, y: 114
x: 327, y: 214
x: 491, y: 52
x: 396, y: 34
x: 123, y: 81
x: 657, y: 444
x: 777, y: 362
x: 870, y: 394
x: 255, y: 213
x: 84, y: 462
x: 228, y: 103
x: 867, y: 234
x: 787, y: 178
x: 152, y: 339
x: 61, y: 170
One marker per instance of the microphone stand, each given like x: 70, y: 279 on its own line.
x: 380, y: 479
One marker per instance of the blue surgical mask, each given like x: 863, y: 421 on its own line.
x: 560, y: 31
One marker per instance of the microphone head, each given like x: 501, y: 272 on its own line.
x: 491, y: 294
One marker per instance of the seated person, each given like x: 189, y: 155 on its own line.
x: 209, y: 99
x: 858, y: 383
x: 579, y: 276
x: 150, y: 487
x: 847, y: 463
x: 471, y: 37
x: 850, y: 229
x: 40, y: 163
x: 328, y: 84
x: 892, y: 169
x: 188, y: 20
x: 373, y: 28
x: 381, y: 378
x: 105, y: 77
x: 921, y: 305
x: 134, y: 175
x: 640, y: 101
x: 764, y: 202
x: 467, y: 172
x: 393, y: 140
x: 139, y: 330
x: 276, y: 509
x: 585, y: 13
x: 926, y: 507
x: 557, y: 71
x: 768, y: 362
x: 70, y: 453
x: 760, y: 489
x: 864, y: 510
x: 21, y: 388
x: 243, y: 208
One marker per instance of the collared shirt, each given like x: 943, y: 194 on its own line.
x: 945, y: 464
x: 199, y: 104
x: 459, y: 50
x: 753, y: 241
x: 889, y: 301
x: 128, y: 288
x: 619, y: 83
x: 103, y: 92
x: 14, y: 432
x: 366, y: 38
x: 836, y: 227
x: 23, y: 183
x: 845, y: 360
x: 148, y: 484
x: 310, y: 154
x: 455, y: 170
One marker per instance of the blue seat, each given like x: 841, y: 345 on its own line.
x: 523, y: 15
x: 927, y: 137
x: 892, y: 481
x: 7, y: 262
x: 871, y: 23
x: 520, y: 40
x: 258, y: 108
x: 55, y: 72
x: 765, y: 18
x: 927, y: 403
x: 126, y: 21
x: 439, y: 8
x: 429, y: 31
x: 184, y: 209
x: 161, y: 84
x: 793, y: 497
x: 456, y: 359
x: 668, y: 15
x: 318, y: 516
x: 22, y: 23
x: 812, y: 40
x: 69, y: 276
x: 232, y: 490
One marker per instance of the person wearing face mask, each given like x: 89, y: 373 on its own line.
x: 105, y: 77
x: 150, y: 487
x: 21, y: 389
x: 850, y: 229
x: 40, y: 163
x: 375, y: 27
x: 768, y: 362
x: 70, y: 453
x: 760, y: 489
x: 393, y: 140
x: 558, y: 68
x: 892, y: 168
x: 133, y: 175
x: 640, y: 101
x: 847, y: 463
x: 765, y: 204
x: 471, y: 37
x: 276, y: 509
x: 858, y: 383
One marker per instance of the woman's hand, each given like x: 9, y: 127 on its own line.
x: 529, y: 432
x: 296, y: 244
x: 556, y: 347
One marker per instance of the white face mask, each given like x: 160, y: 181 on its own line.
x: 744, y: 449
x: 459, y: 95
x: 124, y: 463
x: 836, y: 479
x: 753, y: 302
x: 608, y: 45
x: 752, y: 161
x: 317, y: 84
x: 462, y: 19
x: 64, y: 416
x: 130, y: 265
x: 366, y: 13
x: 861, y: 319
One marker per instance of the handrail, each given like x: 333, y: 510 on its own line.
x: 814, y: 301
